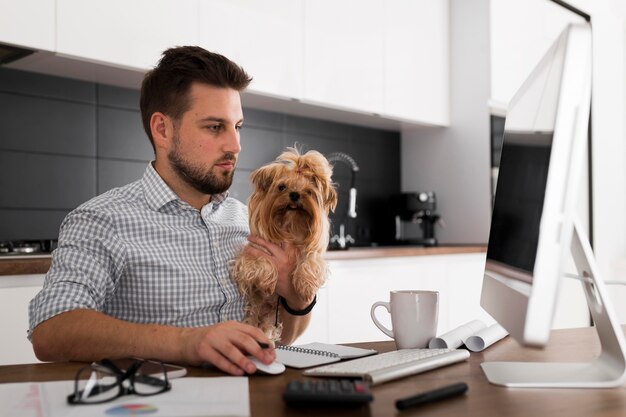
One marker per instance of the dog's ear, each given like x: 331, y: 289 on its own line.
x: 322, y: 170
x: 331, y: 197
x: 263, y: 177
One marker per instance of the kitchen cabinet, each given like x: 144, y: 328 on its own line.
x: 15, y: 294
x: 416, y: 57
x: 343, y: 311
x: 28, y: 23
x: 386, y: 58
x: 122, y: 33
x: 364, y: 58
x: 344, y: 54
x: 265, y: 38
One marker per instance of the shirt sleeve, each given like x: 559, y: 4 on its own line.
x: 85, y: 267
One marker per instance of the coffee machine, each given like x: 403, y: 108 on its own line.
x: 415, y: 208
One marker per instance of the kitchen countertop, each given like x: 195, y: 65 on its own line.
x: 40, y: 264
x: 395, y: 251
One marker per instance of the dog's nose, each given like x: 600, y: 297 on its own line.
x: 294, y: 196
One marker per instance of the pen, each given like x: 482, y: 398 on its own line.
x: 432, y: 396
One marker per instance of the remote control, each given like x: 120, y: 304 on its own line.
x: 327, y: 392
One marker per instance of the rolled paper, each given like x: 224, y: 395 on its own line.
x: 485, y: 338
x: 456, y: 337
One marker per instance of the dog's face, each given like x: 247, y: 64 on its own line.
x: 292, y: 198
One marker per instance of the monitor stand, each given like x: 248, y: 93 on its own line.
x: 605, y: 371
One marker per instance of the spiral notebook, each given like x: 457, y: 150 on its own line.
x: 314, y: 354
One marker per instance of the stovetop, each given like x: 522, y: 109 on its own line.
x: 24, y: 248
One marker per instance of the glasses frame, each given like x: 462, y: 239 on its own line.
x: 121, y: 376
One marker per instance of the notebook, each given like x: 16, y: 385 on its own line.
x: 314, y: 354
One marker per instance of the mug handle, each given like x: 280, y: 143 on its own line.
x: 376, y: 322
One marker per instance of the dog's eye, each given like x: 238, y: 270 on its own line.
x: 282, y: 187
x: 309, y: 192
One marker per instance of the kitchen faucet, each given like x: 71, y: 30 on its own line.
x: 342, y: 239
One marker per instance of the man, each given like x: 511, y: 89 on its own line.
x: 142, y: 270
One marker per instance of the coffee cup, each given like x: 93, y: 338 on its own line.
x: 413, y: 317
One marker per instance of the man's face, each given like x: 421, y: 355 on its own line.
x: 205, y: 145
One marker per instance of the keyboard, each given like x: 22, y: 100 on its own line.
x: 391, y: 365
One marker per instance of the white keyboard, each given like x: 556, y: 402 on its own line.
x: 391, y: 365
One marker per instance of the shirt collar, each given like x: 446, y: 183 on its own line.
x: 158, y: 193
x: 218, y: 199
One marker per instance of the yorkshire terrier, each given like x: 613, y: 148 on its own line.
x: 290, y: 203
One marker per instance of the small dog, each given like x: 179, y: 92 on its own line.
x: 290, y: 203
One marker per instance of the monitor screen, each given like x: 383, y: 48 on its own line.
x: 545, y: 134
x: 520, y: 195
x: 524, y: 165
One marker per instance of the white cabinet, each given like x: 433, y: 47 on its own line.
x: 369, y: 56
x: 388, y: 58
x: 464, y: 274
x: 344, y: 54
x: 343, y: 311
x: 130, y: 34
x: 15, y: 293
x: 265, y: 38
x: 28, y: 23
x: 361, y: 57
x: 356, y: 287
x: 417, y: 38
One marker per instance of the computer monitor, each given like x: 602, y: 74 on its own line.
x: 534, y: 228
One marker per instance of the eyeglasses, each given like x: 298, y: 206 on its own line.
x: 104, y: 381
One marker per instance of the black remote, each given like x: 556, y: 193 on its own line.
x: 320, y: 392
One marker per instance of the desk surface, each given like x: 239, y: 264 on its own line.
x: 482, y: 399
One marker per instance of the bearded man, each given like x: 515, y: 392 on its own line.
x: 143, y: 270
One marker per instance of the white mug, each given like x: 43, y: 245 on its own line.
x: 413, y: 317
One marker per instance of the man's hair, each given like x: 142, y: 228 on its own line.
x: 166, y: 88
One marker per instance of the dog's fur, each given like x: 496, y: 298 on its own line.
x: 290, y: 203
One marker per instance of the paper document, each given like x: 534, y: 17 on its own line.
x: 189, y: 397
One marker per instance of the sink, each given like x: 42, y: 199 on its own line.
x: 355, y: 246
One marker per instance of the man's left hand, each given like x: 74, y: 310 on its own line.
x: 284, y: 257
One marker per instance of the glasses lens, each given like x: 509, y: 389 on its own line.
x: 150, y: 379
x: 94, y: 386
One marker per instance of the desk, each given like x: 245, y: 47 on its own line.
x: 482, y: 399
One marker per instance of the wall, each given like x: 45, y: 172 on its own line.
x: 609, y: 138
x: 64, y: 141
x: 455, y: 162
x: 522, y: 32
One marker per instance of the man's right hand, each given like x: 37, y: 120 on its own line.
x: 87, y: 335
x: 226, y: 345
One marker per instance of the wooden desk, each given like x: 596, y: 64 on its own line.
x: 482, y: 399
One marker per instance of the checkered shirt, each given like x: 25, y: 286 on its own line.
x: 140, y: 254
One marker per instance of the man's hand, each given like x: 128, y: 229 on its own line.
x: 226, y: 345
x: 284, y: 258
x: 87, y: 336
